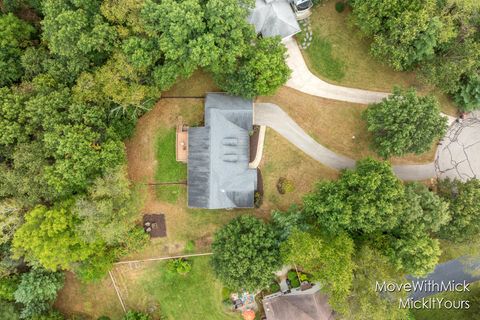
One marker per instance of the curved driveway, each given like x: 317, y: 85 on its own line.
x: 303, y: 80
x: 271, y: 115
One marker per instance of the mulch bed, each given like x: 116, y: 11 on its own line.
x: 259, y: 182
x: 254, y: 142
x: 157, y: 225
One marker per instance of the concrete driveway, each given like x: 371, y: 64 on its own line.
x: 271, y: 115
x: 303, y: 80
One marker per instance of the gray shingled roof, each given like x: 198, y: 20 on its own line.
x: 218, y: 155
x: 305, y: 305
x: 275, y: 18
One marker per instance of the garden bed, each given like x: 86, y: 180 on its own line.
x: 156, y: 224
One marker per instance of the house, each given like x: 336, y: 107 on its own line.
x: 299, y: 304
x: 219, y: 153
x: 279, y: 17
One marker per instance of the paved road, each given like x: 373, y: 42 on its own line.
x: 273, y: 116
x: 453, y: 270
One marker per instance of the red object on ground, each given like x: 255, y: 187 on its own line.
x: 248, y: 315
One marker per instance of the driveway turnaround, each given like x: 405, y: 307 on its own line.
x: 271, y: 115
x: 453, y: 271
x: 458, y: 155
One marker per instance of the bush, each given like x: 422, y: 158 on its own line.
x: 8, y: 286
x: 274, y: 287
x: 284, y: 185
x: 180, y: 266
x: 258, y: 200
x: 292, y: 276
x: 136, y: 315
x: 190, y: 246
x: 340, y: 6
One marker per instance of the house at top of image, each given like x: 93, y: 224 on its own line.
x: 218, y: 157
x: 279, y: 17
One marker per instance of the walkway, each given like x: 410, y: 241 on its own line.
x: 271, y: 115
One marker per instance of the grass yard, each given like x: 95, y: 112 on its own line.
x: 196, y: 86
x: 334, y: 123
x: 196, y: 295
x: 282, y: 159
x: 473, y: 313
x: 93, y: 300
x: 168, y: 169
x: 340, y: 54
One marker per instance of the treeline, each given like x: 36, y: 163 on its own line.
x: 74, y: 78
x: 439, y: 39
x: 365, y: 227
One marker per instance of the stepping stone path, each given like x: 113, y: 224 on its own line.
x: 307, y: 27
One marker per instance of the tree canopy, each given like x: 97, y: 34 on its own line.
x: 328, y: 259
x: 15, y: 36
x: 464, y: 206
x: 37, y: 291
x: 362, y: 200
x: 404, y: 33
x: 404, y: 123
x: 245, y: 253
x: 373, y: 206
x: 48, y: 236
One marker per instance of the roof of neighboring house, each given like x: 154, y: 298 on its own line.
x: 302, y: 305
x: 275, y: 18
x: 218, y: 155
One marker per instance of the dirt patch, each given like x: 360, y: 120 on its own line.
x: 154, y: 224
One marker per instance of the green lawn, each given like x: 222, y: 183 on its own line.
x: 473, y: 313
x: 323, y: 61
x: 196, y: 295
x: 168, y: 169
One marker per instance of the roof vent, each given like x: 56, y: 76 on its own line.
x: 230, y: 141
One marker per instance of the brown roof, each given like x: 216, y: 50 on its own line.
x: 299, y: 306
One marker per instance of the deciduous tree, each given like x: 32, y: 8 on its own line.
x: 464, y: 207
x: 15, y: 36
x: 260, y: 71
x: 245, y: 253
x: 363, y: 200
x: 49, y: 237
x: 405, y: 123
x: 37, y: 291
x: 328, y: 259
